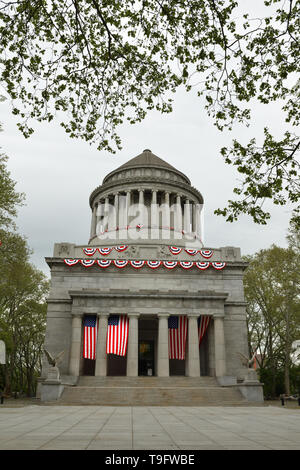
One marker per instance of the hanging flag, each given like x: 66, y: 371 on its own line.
x: 90, y: 336
x: 117, y: 335
x: 203, y: 322
x: 177, y: 326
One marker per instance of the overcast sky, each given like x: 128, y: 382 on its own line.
x: 57, y: 174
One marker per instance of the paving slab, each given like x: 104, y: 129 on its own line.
x: 149, y: 428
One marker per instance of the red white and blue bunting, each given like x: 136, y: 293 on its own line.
x: 154, y: 264
x: 175, y: 250
x: 218, y: 265
x: 190, y: 251
x: 104, y: 250
x: 120, y: 263
x: 137, y: 264
x: 202, y: 265
x: 104, y: 263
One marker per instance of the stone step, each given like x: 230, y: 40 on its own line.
x: 160, y: 395
x: 91, y: 381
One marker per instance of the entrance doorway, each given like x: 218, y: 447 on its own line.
x: 146, y: 358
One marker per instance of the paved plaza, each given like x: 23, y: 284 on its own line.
x: 140, y: 428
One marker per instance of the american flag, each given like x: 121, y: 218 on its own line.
x: 90, y: 336
x: 203, y: 322
x: 117, y: 335
x: 177, y: 336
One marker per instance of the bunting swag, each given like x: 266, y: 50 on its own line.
x: 203, y: 323
x: 177, y: 326
x: 90, y: 337
x: 218, y: 265
x: 71, y: 262
x: 104, y: 250
x: 174, y: 250
x: 190, y: 251
x: 202, y: 265
x: 89, y: 251
x: 104, y: 263
x: 206, y: 253
x: 137, y: 264
x: 87, y: 262
x: 153, y: 264
x: 117, y: 335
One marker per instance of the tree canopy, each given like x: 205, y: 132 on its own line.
x: 100, y: 64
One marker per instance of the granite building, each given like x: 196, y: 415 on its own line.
x: 145, y: 260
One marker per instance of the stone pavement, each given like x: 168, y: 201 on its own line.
x: 141, y: 428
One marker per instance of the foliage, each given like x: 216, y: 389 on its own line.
x: 22, y: 314
x: 9, y: 198
x: 101, y: 64
x: 272, y: 291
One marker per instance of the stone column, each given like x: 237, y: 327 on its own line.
x: 133, y: 345
x: 99, y: 218
x: 163, y: 346
x: 94, y: 220
x: 198, y: 228
x: 220, y: 354
x: 154, y: 216
x: 106, y: 214
x: 75, y: 345
x: 178, y: 217
x: 193, y: 359
x: 128, y: 200
x: 187, y: 216
x: 101, y: 356
x: 142, y: 218
x: 194, y: 217
x: 166, y: 216
x: 116, y: 212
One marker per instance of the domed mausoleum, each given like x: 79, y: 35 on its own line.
x: 144, y: 312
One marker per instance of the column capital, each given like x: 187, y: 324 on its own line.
x: 77, y: 315
x: 133, y: 315
x: 100, y: 314
x: 162, y: 315
x: 193, y: 315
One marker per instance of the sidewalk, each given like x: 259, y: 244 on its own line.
x: 141, y: 428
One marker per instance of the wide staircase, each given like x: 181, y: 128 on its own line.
x: 150, y: 391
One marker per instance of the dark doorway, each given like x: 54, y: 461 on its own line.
x: 116, y: 365
x: 89, y: 367
x: 146, y: 358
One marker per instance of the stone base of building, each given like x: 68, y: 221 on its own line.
x: 149, y: 391
x: 51, y: 390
